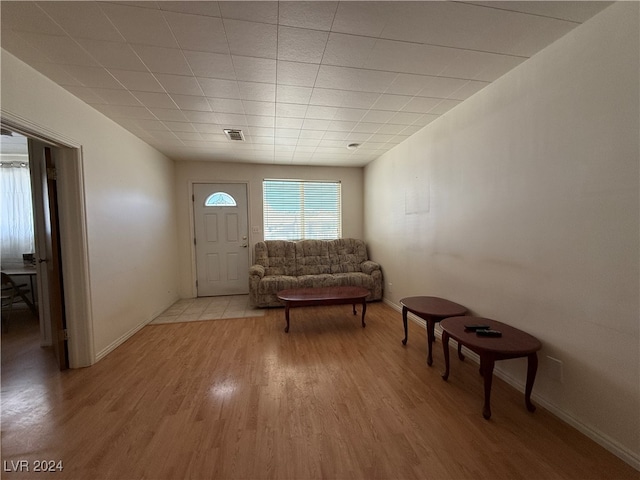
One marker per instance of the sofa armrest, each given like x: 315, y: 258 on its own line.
x: 257, y: 270
x: 369, y: 266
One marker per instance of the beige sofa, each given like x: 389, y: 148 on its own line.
x: 281, y: 264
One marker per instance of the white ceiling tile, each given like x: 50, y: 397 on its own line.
x: 378, y: 116
x: 313, y: 15
x: 405, y: 118
x: 299, y: 74
x: 321, y: 112
x: 188, y: 135
x: 359, y: 99
x: 392, y: 129
x: 366, y: 127
x: 232, y: 119
x: 182, y: 84
x: 259, y: 92
x: 408, y: 84
x: 292, y: 94
x: 309, y: 142
x: 335, y: 135
x: 141, y: 81
x: 313, y: 124
x: 200, y: 117
x: 349, y: 114
x: 261, y: 131
x: 286, y: 122
x: 209, y: 128
x: 117, y: 97
x: 113, y: 55
x: 311, y: 135
x: 573, y: 11
x: 251, y: 39
x: 262, y: 12
x: 353, y: 79
x: 219, y: 88
x: 139, y: 113
x: 301, y: 45
x: 425, y: 119
x: 341, y: 125
x: 93, y: 76
x: 348, y: 50
x: 391, y: 102
x: 351, y: 18
x: 328, y: 98
x: 226, y: 105
x: 421, y: 104
x: 140, y: 25
x: 259, y: 108
x: 168, y: 114
x: 406, y: 57
x: 191, y: 102
x: 62, y: 50
x: 198, y: 33
x: 290, y: 110
x: 163, y: 60
x: 282, y: 132
x: 261, y: 121
x: 82, y: 20
x: 209, y: 9
x: 251, y: 69
x: 207, y: 64
x: 28, y: 17
x: 155, y: 99
x: 180, y: 126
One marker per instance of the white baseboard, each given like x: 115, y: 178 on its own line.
x: 600, y: 438
x: 126, y: 336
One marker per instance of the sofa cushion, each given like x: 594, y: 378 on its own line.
x: 278, y: 257
x: 312, y: 257
x: 275, y: 283
x: 347, y: 255
x: 316, y: 281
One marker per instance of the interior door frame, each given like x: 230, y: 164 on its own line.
x: 192, y: 225
x: 73, y: 236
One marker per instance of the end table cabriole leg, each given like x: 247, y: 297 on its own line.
x: 364, y: 310
x: 532, y: 368
x: 486, y: 365
x: 404, y: 321
x: 445, y: 347
x: 431, y: 336
x: 286, y: 316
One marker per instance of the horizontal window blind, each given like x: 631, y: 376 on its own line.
x: 297, y: 210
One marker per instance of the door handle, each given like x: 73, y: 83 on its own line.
x: 244, y: 246
x: 42, y: 260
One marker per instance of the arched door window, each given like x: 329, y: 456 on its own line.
x: 220, y: 199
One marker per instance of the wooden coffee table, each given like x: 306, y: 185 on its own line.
x: 431, y: 310
x: 304, y: 297
x: 513, y: 343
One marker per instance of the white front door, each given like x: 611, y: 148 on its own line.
x: 221, y: 238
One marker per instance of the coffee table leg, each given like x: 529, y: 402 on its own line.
x: 364, y: 310
x: 286, y: 316
x: 532, y: 368
x: 445, y: 347
x: 486, y: 365
x: 431, y: 336
x: 404, y: 321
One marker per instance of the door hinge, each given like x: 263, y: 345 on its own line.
x: 194, y: 241
x: 52, y: 174
x: 196, y: 283
x: 64, y: 333
x: 193, y: 198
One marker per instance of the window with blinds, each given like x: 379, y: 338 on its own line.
x: 298, y: 210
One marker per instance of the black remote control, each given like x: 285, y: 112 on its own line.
x: 488, y: 333
x: 475, y: 328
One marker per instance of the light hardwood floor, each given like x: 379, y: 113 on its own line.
x: 240, y: 399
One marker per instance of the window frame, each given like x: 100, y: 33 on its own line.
x: 306, y: 222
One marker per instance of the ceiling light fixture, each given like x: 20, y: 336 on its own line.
x: 235, y: 135
x: 353, y: 146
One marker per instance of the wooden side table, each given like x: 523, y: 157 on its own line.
x: 431, y: 310
x: 513, y: 343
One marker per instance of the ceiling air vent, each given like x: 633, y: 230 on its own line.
x: 235, y: 135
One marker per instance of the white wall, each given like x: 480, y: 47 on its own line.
x: 130, y: 204
x: 522, y: 204
x: 188, y: 173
